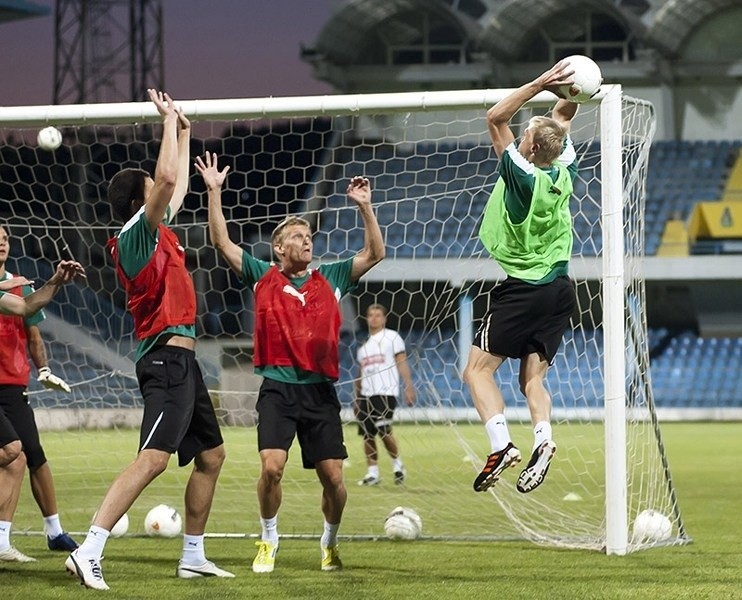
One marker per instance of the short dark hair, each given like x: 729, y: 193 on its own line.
x: 125, y: 187
x: 377, y: 306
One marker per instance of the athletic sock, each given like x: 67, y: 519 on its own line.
x: 52, y: 526
x: 397, y: 464
x: 94, y: 543
x: 497, y: 430
x: 270, y: 529
x: 5, y: 534
x: 541, y: 433
x: 373, y: 471
x: 330, y: 535
x: 193, y: 550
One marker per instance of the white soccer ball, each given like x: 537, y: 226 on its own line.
x: 403, y: 524
x: 49, y: 138
x: 163, y: 521
x: 587, y: 79
x: 651, y: 526
x: 121, y: 526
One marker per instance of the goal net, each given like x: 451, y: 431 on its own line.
x: 432, y: 169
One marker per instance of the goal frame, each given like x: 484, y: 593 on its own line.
x: 612, y: 217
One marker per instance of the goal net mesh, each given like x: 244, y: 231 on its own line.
x: 431, y: 173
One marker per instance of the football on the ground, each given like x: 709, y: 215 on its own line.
x: 651, y: 526
x: 163, y: 521
x: 403, y: 524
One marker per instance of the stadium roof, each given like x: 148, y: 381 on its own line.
x: 341, y: 39
x: 12, y: 10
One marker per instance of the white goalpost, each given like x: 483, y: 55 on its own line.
x: 429, y: 158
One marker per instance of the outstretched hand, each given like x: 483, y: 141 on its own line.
x: 559, y: 75
x: 67, y: 270
x: 164, y: 103
x: 213, y: 177
x: 359, y: 190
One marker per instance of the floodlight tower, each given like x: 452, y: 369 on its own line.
x: 107, y: 50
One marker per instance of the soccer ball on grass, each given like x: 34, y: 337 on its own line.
x: 587, y: 79
x: 403, y: 524
x: 651, y: 526
x: 163, y: 521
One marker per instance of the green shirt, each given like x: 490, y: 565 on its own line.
x: 136, y: 244
x: 510, y: 228
x: 337, y: 275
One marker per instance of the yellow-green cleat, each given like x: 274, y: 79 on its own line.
x: 265, y: 561
x: 331, y: 559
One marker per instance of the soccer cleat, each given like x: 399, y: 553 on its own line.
x: 265, y: 561
x: 370, y: 480
x: 399, y: 476
x: 535, y: 472
x: 87, y: 570
x: 208, y: 569
x: 496, y: 463
x: 331, y: 559
x: 13, y: 555
x: 62, y: 542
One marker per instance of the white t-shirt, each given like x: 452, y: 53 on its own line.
x: 379, y: 373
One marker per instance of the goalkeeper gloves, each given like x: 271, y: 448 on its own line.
x: 51, y: 381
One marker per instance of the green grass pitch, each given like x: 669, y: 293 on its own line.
x: 705, y: 467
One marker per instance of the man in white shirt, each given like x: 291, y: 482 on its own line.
x: 382, y: 359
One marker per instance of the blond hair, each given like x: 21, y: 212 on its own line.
x: 279, y: 232
x: 549, y: 135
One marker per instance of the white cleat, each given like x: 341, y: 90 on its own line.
x: 87, y: 570
x: 208, y: 569
x: 13, y: 555
x: 370, y: 480
x: 535, y: 472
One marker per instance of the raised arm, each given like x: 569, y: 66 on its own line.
x: 214, y: 179
x: 184, y: 163
x: 373, y: 251
x: 563, y: 113
x: 166, y: 171
x: 500, y: 115
x: 10, y: 304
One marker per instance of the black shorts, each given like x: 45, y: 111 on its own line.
x: 524, y: 318
x: 375, y: 415
x: 178, y: 413
x: 21, y: 424
x: 310, y: 411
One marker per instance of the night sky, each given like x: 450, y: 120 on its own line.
x: 244, y: 48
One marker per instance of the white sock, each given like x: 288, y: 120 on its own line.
x: 270, y: 529
x: 5, y: 535
x: 330, y: 535
x: 541, y: 433
x: 94, y: 543
x: 193, y: 550
x: 52, y: 526
x: 373, y: 470
x: 397, y: 464
x: 497, y: 430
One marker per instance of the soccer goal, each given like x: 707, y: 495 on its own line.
x: 432, y: 168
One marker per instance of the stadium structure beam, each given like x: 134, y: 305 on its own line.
x: 107, y: 50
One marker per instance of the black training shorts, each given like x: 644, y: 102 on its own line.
x: 524, y: 318
x: 375, y: 415
x: 178, y: 413
x: 19, y: 414
x: 309, y: 411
